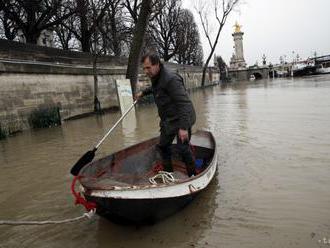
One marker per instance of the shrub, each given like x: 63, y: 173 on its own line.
x: 3, y: 133
x: 45, y: 117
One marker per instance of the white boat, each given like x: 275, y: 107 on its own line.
x: 282, y: 73
x: 120, y: 187
x: 324, y: 68
x: 303, y: 68
x: 252, y: 77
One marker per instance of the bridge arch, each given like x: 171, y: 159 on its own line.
x: 257, y: 75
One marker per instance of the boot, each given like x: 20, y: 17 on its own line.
x: 168, y: 165
x: 191, y: 170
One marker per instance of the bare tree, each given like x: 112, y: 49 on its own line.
x: 64, y: 37
x: 9, y: 30
x: 189, y: 49
x: 91, y: 18
x: 90, y: 14
x: 137, y: 44
x: 163, y: 29
x: 114, y: 29
x: 133, y: 7
x: 131, y: 14
x: 33, y: 16
x: 222, y: 9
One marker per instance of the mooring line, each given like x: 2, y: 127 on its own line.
x: 88, y: 215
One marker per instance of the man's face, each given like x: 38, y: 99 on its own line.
x: 149, y: 69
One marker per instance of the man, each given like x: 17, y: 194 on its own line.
x: 176, y: 111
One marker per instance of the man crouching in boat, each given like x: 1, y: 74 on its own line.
x: 176, y: 111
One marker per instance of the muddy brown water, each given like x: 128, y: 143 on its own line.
x: 272, y: 188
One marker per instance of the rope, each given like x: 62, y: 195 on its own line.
x: 88, y: 215
x: 166, y: 177
x: 79, y: 199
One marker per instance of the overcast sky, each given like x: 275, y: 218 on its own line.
x: 275, y: 28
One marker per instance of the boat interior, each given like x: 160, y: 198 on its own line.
x: 136, y: 164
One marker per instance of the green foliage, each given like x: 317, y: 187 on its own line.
x: 45, y: 117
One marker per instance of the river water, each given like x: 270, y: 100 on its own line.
x: 272, y: 188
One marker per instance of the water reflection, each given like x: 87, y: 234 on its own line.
x: 184, y: 229
x: 129, y: 128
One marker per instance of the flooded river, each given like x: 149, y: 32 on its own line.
x: 272, y: 188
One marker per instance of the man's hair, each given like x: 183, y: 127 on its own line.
x: 153, y: 57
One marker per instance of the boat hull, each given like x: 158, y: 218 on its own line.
x: 139, y: 211
x: 323, y: 70
x: 306, y: 71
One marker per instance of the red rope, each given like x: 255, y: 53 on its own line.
x: 79, y: 199
x: 158, y: 167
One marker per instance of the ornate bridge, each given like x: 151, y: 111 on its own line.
x: 245, y: 74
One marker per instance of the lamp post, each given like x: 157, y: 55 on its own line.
x: 292, y: 64
x: 293, y: 57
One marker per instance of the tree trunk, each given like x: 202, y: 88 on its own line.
x: 203, y: 75
x: 85, y: 42
x: 97, y: 104
x: 206, y: 65
x: 114, y: 33
x: 85, y: 35
x: 32, y: 37
x: 85, y: 32
x: 137, y: 44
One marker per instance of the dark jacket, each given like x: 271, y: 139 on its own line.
x: 174, y: 106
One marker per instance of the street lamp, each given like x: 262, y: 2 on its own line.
x: 292, y: 57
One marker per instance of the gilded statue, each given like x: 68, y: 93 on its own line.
x: 237, y: 28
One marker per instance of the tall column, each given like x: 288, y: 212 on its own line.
x: 238, y: 39
x: 237, y: 60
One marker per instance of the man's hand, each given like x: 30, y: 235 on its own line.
x: 183, y: 135
x: 138, y: 96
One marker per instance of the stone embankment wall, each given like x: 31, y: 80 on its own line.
x: 33, y: 77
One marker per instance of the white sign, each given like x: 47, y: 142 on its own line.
x: 124, y: 93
